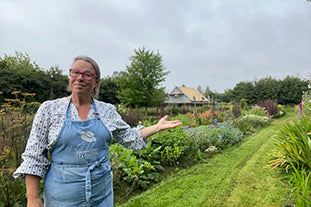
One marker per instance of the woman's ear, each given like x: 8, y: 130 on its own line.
x: 97, y: 82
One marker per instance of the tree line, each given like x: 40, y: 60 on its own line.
x: 286, y: 91
x: 138, y: 85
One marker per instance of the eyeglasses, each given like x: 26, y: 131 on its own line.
x: 85, y: 75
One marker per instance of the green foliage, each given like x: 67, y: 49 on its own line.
x: 271, y: 106
x: 109, y: 90
x: 243, y: 104
x: 12, y: 192
x: 294, y: 142
x: 209, y: 117
x: 291, y: 89
x: 130, y: 116
x: 287, y: 91
x: 16, y: 115
x: 171, y: 147
x: 255, y: 110
x: 243, y: 90
x: 57, y: 82
x: 174, y: 145
x: 185, y: 119
x: 208, y: 92
x: 137, y: 172
x: 222, y: 135
x: 250, y: 123
x: 236, y: 177
x: 267, y: 88
x: 301, y: 180
x: 236, y: 110
x: 139, y: 85
x: 18, y: 73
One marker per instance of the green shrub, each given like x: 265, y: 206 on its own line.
x: 185, y: 119
x: 271, y: 106
x: 236, y: 111
x: 174, y: 145
x: 256, y: 110
x: 137, y: 172
x: 250, y: 123
x: 208, y: 117
x: 12, y: 192
x: 140, y: 168
x: 221, y: 135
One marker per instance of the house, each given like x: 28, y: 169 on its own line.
x: 186, y: 96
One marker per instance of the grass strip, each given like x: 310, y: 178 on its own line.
x: 239, y: 176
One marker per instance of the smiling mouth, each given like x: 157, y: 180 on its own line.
x: 80, y: 85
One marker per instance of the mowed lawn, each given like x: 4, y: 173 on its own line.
x: 240, y: 176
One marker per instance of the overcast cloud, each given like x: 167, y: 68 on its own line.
x: 215, y: 43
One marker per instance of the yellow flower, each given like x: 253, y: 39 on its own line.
x: 16, y: 92
x: 28, y: 94
x: 12, y: 100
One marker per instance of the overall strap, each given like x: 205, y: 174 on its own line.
x: 68, y: 111
x: 95, y: 110
x: 88, y: 188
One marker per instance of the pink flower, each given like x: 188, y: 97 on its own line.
x: 300, y: 106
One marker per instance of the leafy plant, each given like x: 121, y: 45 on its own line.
x: 295, y: 143
x: 250, y: 123
x: 305, y: 104
x: 137, y: 172
x: 12, y: 192
x: 301, y: 180
x: 174, y: 145
x: 236, y: 110
x: 271, y: 106
x: 208, y: 117
x: 221, y: 136
x: 255, y: 110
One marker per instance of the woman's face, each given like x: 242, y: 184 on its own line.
x: 79, y: 85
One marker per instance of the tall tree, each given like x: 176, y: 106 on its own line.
x: 57, y: 82
x: 208, y: 93
x: 109, y: 89
x: 19, y: 73
x: 244, y: 90
x: 140, y: 83
x: 291, y: 90
x: 267, y: 88
x: 199, y: 89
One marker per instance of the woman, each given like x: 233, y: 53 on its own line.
x: 77, y: 130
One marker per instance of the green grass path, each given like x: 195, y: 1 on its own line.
x: 240, y: 176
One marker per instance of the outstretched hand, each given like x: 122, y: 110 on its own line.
x: 164, y: 124
x: 161, y: 125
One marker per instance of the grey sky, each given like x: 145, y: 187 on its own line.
x: 215, y: 43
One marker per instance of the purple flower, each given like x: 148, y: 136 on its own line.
x: 300, y: 106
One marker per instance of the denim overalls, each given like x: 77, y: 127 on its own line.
x: 80, y: 173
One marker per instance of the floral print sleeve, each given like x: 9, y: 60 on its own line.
x: 121, y: 132
x: 35, y: 155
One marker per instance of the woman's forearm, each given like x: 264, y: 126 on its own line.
x: 32, y: 186
x: 148, y: 131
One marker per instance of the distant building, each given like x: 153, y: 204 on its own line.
x: 186, y: 96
